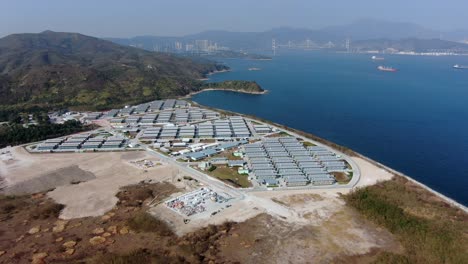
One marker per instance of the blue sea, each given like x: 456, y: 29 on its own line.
x: 414, y: 120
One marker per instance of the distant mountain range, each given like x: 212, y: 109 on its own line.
x: 377, y: 29
x: 365, y: 29
x: 410, y: 44
x: 53, y: 69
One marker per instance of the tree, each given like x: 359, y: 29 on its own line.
x: 14, y: 118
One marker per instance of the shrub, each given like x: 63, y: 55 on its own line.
x: 144, y: 222
x: 134, y: 257
x: 7, y: 208
x: 47, y: 210
x: 426, y: 240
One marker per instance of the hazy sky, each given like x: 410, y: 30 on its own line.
x: 118, y: 18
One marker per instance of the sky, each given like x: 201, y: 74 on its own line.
x: 118, y: 18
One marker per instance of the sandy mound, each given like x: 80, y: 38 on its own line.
x: 64, y: 176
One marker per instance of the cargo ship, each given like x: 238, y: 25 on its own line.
x: 457, y: 66
x: 377, y: 58
x: 386, y: 69
x: 254, y: 69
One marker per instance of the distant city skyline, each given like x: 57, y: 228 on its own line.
x: 120, y: 18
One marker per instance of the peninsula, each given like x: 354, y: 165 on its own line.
x: 250, y: 87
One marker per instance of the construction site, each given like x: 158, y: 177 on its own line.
x: 203, y: 200
x: 270, y: 157
x: 185, y: 199
x: 145, y: 164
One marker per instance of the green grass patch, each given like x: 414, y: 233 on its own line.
x: 341, y: 177
x: 228, y: 154
x: 230, y: 175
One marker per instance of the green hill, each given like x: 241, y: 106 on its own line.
x: 53, y: 70
x: 240, y: 86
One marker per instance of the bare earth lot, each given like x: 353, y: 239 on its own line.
x: 307, y: 226
x: 87, y: 182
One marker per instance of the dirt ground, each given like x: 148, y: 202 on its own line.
x: 239, y: 212
x: 290, y: 227
x: 86, y: 183
x: 370, y: 173
x: 265, y: 239
x: 124, y: 234
x: 304, y: 226
x: 50, y: 180
x: 29, y: 227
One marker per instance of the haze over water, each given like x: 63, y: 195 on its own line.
x: 414, y: 120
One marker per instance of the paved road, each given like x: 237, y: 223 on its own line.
x: 241, y: 193
x: 252, y: 129
x: 201, y: 177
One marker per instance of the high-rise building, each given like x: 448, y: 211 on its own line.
x: 202, y: 44
x: 189, y: 47
x: 213, y: 47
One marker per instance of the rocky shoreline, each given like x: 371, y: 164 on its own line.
x: 221, y: 89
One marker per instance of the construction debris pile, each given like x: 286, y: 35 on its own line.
x: 143, y: 164
x: 5, y: 154
x: 195, y: 202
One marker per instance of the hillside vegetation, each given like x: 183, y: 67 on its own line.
x: 15, y: 134
x: 55, y: 70
x: 429, y: 229
x: 241, y: 86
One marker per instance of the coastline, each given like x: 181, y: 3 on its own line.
x: 422, y: 185
x: 249, y: 59
x: 222, y: 89
x: 348, y: 151
x: 205, y: 77
x: 189, y: 95
x: 216, y: 72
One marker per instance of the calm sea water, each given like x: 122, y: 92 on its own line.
x: 414, y: 120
